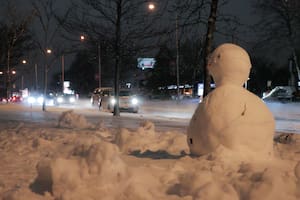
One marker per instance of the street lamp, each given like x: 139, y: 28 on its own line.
x: 151, y: 7
x: 48, y: 51
x: 177, y: 58
x: 82, y: 38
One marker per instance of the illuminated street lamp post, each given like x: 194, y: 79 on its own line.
x: 151, y: 7
x: 24, y: 62
x: 48, y: 51
x: 82, y: 38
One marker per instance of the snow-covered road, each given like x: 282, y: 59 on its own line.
x: 166, y: 115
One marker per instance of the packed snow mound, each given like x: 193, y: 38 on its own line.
x: 51, y: 163
x: 90, y: 171
x: 69, y: 119
x: 229, y: 64
x: 146, y: 139
x: 230, y: 116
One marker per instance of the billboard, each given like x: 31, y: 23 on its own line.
x: 146, y: 63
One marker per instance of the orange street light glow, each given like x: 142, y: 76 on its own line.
x: 151, y: 6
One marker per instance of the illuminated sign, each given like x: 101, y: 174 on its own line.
x: 146, y: 63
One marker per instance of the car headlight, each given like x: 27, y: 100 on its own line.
x: 134, y: 101
x: 113, y: 101
x: 40, y: 100
x: 60, y: 99
x: 31, y: 100
x: 71, y: 99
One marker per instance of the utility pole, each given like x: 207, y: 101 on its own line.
x: 62, y: 72
x: 36, y: 77
x: 177, y: 58
x: 99, y: 64
x: 8, y: 92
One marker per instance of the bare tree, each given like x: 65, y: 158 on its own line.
x: 279, y: 28
x: 124, y: 27
x: 47, y: 32
x: 194, y: 15
x: 208, y: 44
x: 15, y: 33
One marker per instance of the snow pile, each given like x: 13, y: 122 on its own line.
x: 146, y: 139
x: 88, y: 172
x: 230, y: 117
x: 69, y: 119
x: 44, y: 163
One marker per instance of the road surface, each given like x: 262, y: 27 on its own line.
x: 166, y: 115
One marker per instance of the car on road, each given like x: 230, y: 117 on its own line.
x: 15, y: 99
x: 65, y: 99
x: 282, y: 93
x: 100, y: 95
x: 104, y: 99
x: 128, y: 101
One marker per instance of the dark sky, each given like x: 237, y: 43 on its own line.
x: 240, y: 8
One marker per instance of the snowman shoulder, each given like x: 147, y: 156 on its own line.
x: 234, y: 100
x: 224, y: 95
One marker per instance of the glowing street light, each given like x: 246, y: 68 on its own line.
x: 151, y: 6
x: 24, y: 61
x: 82, y: 38
x: 48, y: 51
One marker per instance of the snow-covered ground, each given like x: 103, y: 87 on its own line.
x: 71, y: 158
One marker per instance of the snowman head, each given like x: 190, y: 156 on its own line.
x: 229, y: 64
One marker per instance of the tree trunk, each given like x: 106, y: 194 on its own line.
x: 208, y: 44
x: 8, y: 91
x: 117, y: 59
x: 45, y: 88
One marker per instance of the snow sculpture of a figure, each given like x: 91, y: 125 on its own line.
x: 230, y: 115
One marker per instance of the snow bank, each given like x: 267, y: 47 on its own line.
x: 146, y: 139
x: 87, y: 173
x: 69, y: 119
x: 44, y: 163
